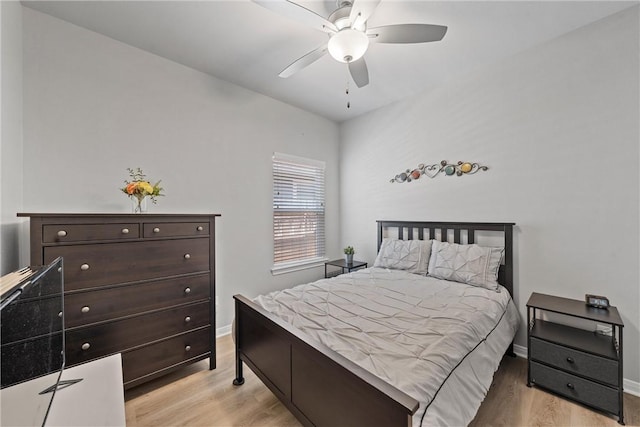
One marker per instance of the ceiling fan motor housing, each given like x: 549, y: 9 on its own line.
x: 340, y: 17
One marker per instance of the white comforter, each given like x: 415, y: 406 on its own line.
x: 412, y: 331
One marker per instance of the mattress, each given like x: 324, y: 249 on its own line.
x: 438, y: 341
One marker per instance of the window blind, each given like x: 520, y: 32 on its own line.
x: 298, y: 209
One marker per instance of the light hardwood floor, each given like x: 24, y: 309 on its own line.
x: 195, y: 396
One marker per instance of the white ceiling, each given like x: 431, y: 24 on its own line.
x: 246, y: 44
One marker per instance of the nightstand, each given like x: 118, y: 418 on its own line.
x: 344, y: 267
x: 578, y: 364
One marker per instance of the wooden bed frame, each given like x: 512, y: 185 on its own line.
x: 321, y: 387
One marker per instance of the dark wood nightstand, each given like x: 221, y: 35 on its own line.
x: 344, y: 267
x: 581, y: 365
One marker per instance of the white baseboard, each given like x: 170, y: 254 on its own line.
x: 631, y: 387
x: 223, y: 330
x: 520, y: 351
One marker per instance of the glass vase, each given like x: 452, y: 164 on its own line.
x: 139, y: 204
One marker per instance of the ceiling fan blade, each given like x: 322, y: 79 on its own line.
x: 302, y: 62
x: 407, y: 33
x: 359, y: 72
x: 361, y: 10
x: 298, y: 13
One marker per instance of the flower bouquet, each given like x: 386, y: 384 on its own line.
x: 138, y: 189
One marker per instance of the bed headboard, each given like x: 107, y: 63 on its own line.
x: 421, y: 230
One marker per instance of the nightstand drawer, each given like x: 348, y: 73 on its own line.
x: 89, y: 232
x: 575, y: 362
x: 176, y: 229
x: 83, y: 308
x: 582, y: 390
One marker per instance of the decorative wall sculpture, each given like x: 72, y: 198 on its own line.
x: 449, y: 169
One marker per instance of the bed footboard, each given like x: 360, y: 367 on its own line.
x: 320, y: 387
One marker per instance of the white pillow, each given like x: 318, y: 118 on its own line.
x: 410, y: 255
x: 471, y: 264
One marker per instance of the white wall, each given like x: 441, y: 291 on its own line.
x: 10, y: 135
x: 558, y: 127
x: 94, y: 106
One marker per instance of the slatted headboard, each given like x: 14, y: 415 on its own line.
x: 421, y: 230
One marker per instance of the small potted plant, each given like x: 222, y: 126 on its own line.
x: 348, y: 254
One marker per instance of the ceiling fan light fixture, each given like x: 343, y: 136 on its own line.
x: 348, y: 45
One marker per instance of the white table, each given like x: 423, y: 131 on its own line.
x: 97, y: 400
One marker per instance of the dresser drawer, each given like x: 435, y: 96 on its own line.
x: 575, y: 362
x: 577, y: 388
x: 164, y: 354
x: 89, y: 232
x: 82, y: 308
x: 94, y: 341
x: 176, y: 229
x: 88, y: 266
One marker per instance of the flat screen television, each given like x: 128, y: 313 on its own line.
x: 32, y: 335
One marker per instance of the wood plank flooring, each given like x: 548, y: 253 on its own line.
x: 195, y: 396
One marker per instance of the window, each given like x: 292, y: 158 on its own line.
x: 298, y: 212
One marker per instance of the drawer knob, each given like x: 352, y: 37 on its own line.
x: 199, y: 228
x: 86, y: 346
x: 85, y: 309
x: 187, y: 256
x: 187, y: 348
x: 156, y: 230
x: 84, y: 267
x: 187, y: 290
x: 60, y: 315
x: 570, y: 360
x: 187, y: 319
x: 62, y: 233
x: 125, y: 231
x: 570, y: 386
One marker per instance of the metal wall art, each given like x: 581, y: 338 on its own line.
x: 459, y: 169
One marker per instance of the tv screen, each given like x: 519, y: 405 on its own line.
x: 31, y: 331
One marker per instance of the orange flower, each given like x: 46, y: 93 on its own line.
x: 131, y: 187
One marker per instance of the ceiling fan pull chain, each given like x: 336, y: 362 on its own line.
x: 347, y: 93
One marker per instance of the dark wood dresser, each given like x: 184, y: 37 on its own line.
x: 578, y: 364
x: 140, y: 285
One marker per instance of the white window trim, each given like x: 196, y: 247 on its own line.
x: 300, y: 160
x: 290, y: 267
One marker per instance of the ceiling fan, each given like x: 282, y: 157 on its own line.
x: 349, y: 36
